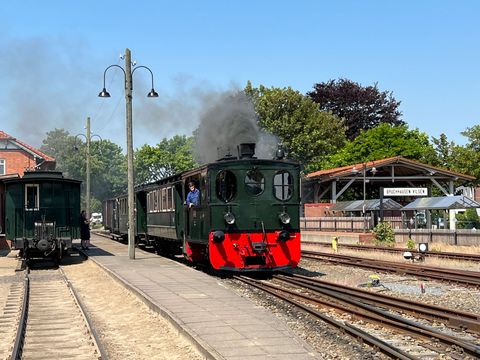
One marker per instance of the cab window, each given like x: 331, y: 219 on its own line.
x: 226, y: 185
x: 283, y: 185
x: 254, y: 182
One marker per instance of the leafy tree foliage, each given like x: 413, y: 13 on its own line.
x: 465, y: 159
x: 382, y: 142
x: 107, y: 163
x: 468, y: 220
x: 307, y: 133
x: 362, y: 108
x: 168, y: 157
x: 443, y: 151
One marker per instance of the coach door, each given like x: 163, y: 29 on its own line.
x: 195, y: 216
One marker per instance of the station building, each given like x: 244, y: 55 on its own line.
x: 419, y: 200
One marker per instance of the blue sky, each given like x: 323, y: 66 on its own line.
x: 53, y: 54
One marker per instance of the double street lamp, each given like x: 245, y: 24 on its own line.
x: 88, y: 139
x: 128, y: 73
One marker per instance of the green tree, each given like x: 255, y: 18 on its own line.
x: 465, y: 159
x: 108, y: 165
x: 61, y: 145
x: 382, y: 142
x: 362, y: 108
x: 168, y: 157
x: 443, y: 152
x: 468, y: 220
x: 307, y: 133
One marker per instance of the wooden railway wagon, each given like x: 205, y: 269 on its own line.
x: 247, y: 219
x: 42, y: 213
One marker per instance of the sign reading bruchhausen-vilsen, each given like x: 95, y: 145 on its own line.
x: 405, y: 192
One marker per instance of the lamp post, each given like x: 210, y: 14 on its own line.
x: 88, y: 139
x: 128, y: 73
x: 364, y: 196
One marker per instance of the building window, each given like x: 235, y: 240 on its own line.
x: 31, y: 197
x: 3, y: 168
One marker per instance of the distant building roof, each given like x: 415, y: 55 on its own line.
x: 370, y: 205
x: 347, y: 170
x: 26, y: 147
x: 442, y: 203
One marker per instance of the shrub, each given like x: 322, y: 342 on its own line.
x: 410, y: 243
x: 383, y: 234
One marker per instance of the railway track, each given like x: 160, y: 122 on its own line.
x: 445, y: 255
x: 438, y: 273
x: 53, y: 323
x: 394, y: 337
x: 11, y: 297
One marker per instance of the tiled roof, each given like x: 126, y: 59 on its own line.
x: 5, y: 136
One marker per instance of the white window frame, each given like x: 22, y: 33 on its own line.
x: 37, y: 197
x: 3, y: 163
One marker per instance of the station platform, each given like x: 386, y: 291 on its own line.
x: 219, y: 322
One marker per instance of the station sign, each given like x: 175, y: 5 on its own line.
x: 405, y: 192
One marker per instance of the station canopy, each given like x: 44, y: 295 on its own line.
x: 370, y: 205
x: 442, y: 203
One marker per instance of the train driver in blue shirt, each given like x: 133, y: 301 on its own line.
x: 193, y: 197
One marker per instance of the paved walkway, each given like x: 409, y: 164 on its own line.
x: 221, y: 323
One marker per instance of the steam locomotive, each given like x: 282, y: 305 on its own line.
x: 247, y: 219
x: 41, y: 213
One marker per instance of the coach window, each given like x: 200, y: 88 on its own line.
x: 2, y: 167
x: 31, y: 197
x: 254, y: 182
x: 226, y: 185
x: 164, y: 199
x: 283, y: 185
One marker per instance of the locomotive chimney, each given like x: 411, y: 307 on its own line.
x: 246, y: 150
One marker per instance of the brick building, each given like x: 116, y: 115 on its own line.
x: 17, y: 156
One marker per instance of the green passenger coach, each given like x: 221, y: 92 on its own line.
x: 42, y: 213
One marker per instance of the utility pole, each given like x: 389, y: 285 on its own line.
x: 87, y: 200
x: 131, y: 199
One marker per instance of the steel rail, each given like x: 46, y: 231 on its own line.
x: 376, y: 315
x: 442, y: 254
x: 90, y: 327
x: 22, y: 326
x: 455, y: 318
x: 371, y: 340
x: 461, y: 276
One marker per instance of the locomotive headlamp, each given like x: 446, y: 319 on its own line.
x: 284, y: 218
x: 283, y: 236
x: 218, y: 236
x: 423, y: 247
x: 229, y: 218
